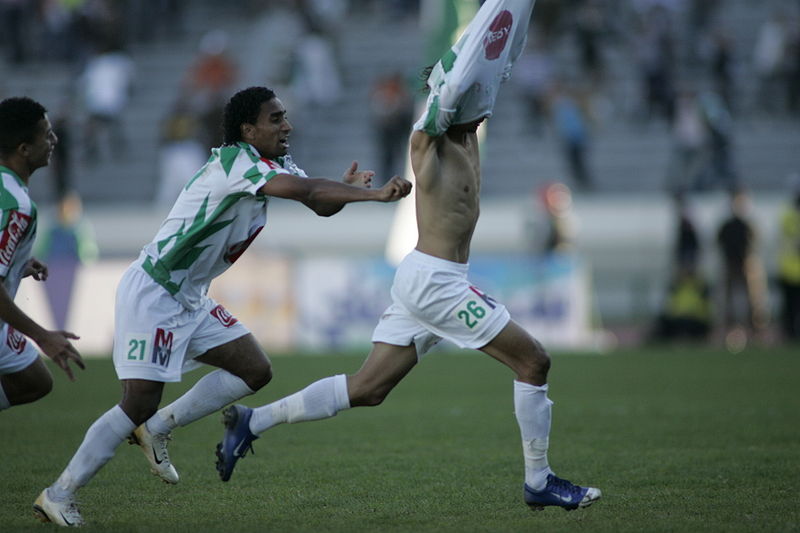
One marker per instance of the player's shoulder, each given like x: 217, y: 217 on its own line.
x: 13, y: 192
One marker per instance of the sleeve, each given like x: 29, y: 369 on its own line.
x: 464, y: 82
x: 245, y: 172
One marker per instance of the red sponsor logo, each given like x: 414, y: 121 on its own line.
x: 14, y: 231
x: 497, y: 35
x: 15, y: 340
x: 224, y: 317
x: 236, y: 250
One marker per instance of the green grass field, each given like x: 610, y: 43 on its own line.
x: 677, y: 439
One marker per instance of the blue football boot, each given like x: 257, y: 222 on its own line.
x: 237, y: 439
x: 560, y: 493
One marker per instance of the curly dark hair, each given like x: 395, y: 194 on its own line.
x: 243, y: 108
x: 19, y: 118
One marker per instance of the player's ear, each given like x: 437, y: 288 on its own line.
x: 247, y: 131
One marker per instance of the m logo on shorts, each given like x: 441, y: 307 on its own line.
x: 15, y: 340
x: 162, y: 347
x: 494, y: 42
x: 224, y: 317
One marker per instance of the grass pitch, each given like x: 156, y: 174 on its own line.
x: 677, y: 439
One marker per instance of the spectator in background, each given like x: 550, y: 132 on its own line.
x: 701, y: 15
x: 743, y: 295
x: 686, y: 247
x: 181, y: 151
x: 793, y: 75
x: 722, y: 66
x: 316, y: 81
x: 720, y: 169
x: 570, y: 122
x: 58, y: 19
x: 392, y: 108
x: 534, y: 75
x: 655, y: 50
x: 687, y: 310
x: 210, y: 78
x: 769, y: 61
x: 686, y: 314
x: 590, y: 28
x: 65, y: 246
x: 17, y: 17
x: 690, y: 139
x: 107, y: 83
x: 559, y: 235
x: 789, y: 265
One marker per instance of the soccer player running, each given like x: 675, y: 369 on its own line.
x: 165, y: 322
x: 26, y: 144
x: 432, y: 298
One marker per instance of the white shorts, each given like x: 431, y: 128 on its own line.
x: 17, y: 352
x: 156, y: 338
x: 433, y: 300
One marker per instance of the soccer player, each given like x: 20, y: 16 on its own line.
x: 432, y: 298
x: 165, y: 322
x: 26, y: 143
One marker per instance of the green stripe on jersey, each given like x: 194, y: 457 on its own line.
x: 186, y: 248
x: 448, y: 60
x: 227, y: 156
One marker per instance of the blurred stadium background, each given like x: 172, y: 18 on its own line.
x: 689, y: 96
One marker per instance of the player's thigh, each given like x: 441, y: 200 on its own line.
x: 242, y: 357
x: 385, y: 366
x: 518, y: 350
x: 28, y: 384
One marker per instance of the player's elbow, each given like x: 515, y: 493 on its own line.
x: 321, y: 207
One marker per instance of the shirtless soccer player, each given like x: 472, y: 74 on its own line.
x: 432, y: 298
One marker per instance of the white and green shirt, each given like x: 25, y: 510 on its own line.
x: 215, y: 218
x: 464, y: 82
x: 17, y: 228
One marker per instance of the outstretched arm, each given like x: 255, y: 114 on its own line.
x: 327, y: 197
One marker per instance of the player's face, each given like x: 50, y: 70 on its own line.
x: 38, y: 152
x: 270, y: 133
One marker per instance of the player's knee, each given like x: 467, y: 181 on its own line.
x: 368, y: 396
x: 38, y: 390
x: 260, y: 376
x: 536, y: 366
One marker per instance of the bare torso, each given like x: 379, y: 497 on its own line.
x: 447, y: 170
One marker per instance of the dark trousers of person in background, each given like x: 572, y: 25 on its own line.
x: 790, y: 311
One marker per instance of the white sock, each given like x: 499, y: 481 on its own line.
x: 321, y: 399
x: 533, y: 410
x: 214, y: 391
x: 98, y: 446
x: 4, y: 403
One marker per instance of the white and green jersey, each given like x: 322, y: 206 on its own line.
x: 464, y: 82
x: 215, y: 218
x: 17, y: 228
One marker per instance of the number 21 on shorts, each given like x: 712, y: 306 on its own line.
x: 137, y: 346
